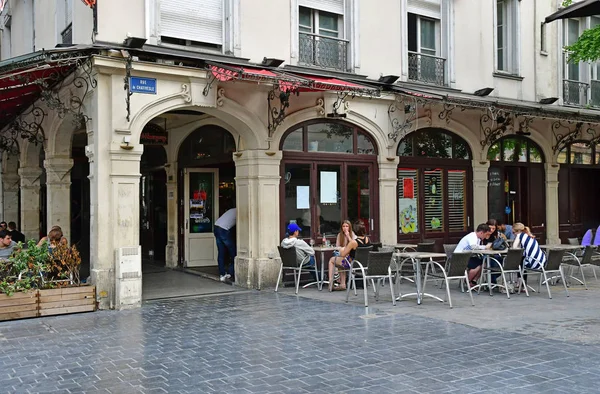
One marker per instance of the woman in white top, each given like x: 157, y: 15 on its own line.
x: 533, y: 256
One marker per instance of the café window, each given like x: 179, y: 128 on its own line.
x: 434, y: 143
x: 580, y: 153
x: 329, y: 137
x: 515, y: 149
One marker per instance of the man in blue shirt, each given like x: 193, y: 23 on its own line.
x: 507, y: 230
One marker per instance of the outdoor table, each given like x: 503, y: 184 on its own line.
x: 403, y: 247
x: 487, y: 254
x: 416, y: 258
x: 322, y: 249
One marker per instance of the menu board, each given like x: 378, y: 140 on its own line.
x: 496, y: 195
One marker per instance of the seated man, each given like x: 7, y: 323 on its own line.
x: 507, y: 230
x: 472, y: 241
x: 7, y: 245
x: 302, y: 248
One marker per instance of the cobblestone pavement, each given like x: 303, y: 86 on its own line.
x: 262, y: 342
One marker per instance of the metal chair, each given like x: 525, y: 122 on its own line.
x: 587, y: 238
x: 455, y: 269
x: 554, y: 261
x: 511, y: 265
x: 580, y: 261
x: 362, y: 256
x: 290, y: 262
x: 426, y: 247
x: 379, y: 267
x: 573, y: 241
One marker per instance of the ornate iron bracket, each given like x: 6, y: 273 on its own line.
x: 406, y: 105
x: 595, y: 139
x: 494, y: 123
x: 277, y: 114
x: 211, y: 79
x: 564, y: 139
x: 28, y: 126
x: 446, y: 112
x: 128, y: 94
x: 341, y: 104
x: 524, y: 124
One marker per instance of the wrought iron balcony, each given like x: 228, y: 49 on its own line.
x: 595, y: 93
x: 575, y: 92
x: 426, y: 68
x: 325, y: 52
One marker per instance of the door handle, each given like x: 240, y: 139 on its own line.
x: 186, y: 224
x: 371, y: 220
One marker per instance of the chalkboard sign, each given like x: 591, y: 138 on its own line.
x: 496, y: 196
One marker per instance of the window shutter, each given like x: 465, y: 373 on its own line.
x: 193, y: 20
x: 408, y: 200
x: 334, y: 6
x: 457, y: 204
x: 429, y: 8
x: 433, y: 194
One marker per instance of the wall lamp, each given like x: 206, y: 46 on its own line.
x: 483, y: 92
x: 271, y: 62
x: 134, y: 42
x: 548, y: 100
x: 388, y: 79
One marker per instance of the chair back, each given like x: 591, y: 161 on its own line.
x: 376, y: 246
x: 587, y: 238
x: 513, y: 259
x: 459, y: 263
x: 288, y: 256
x: 379, y: 262
x: 573, y: 241
x: 597, y: 237
x: 554, y: 258
x: 449, y: 249
x: 425, y: 247
x: 362, y: 255
x: 587, y: 254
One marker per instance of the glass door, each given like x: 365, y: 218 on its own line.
x: 329, y: 199
x: 201, y: 212
x: 360, y: 196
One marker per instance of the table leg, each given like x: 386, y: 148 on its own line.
x: 417, y: 268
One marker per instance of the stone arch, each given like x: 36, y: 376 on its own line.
x: 60, y: 135
x: 352, y: 117
x: 247, y: 124
x: 30, y: 154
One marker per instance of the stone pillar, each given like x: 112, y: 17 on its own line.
x: 10, y: 188
x: 480, y: 192
x: 30, y: 201
x: 257, y: 201
x: 388, y: 200
x: 552, y: 221
x: 172, y: 248
x: 58, y: 193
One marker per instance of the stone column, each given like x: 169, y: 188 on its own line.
x: 30, y: 201
x: 552, y: 221
x: 58, y: 193
x: 388, y: 200
x: 257, y: 201
x: 10, y: 188
x: 480, y: 192
x: 172, y: 248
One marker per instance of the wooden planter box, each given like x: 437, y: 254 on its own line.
x: 48, y: 302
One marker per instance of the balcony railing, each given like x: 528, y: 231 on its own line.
x: 426, y: 68
x: 67, y: 35
x: 575, y: 92
x: 595, y: 93
x: 325, y: 52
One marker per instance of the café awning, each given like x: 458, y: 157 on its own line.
x: 576, y: 10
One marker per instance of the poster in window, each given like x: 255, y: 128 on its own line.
x: 408, y: 187
x: 201, y: 197
x: 329, y: 187
x: 302, y: 197
x: 407, y: 212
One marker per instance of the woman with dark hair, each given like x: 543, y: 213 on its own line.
x: 347, y: 253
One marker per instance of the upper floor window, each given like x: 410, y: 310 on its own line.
x: 507, y: 18
x: 321, y: 34
x: 65, y: 22
x: 424, y: 61
x: 194, y: 23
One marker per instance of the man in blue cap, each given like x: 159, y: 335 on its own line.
x: 302, y: 248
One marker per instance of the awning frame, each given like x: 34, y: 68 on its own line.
x: 576, y: 10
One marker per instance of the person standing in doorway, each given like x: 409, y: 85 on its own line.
x: 225, y: 237
x: 15, y: 234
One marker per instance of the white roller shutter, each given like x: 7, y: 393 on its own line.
x: 196, y: 20
x: 429, y: 8
x: 334, y: 6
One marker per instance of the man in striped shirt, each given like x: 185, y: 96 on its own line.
x: 472, y: 241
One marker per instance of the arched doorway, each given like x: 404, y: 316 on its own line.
x: 517, y: 188
x: 434, y: 187
x: 579, y: 189
x: 329, y: 174
x: 207, y: 189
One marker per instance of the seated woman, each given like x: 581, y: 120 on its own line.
x: 342, y: 239
x: 347, y: 253
x: 533, y: 256
x: 62, y: 239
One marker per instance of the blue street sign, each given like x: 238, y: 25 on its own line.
x: 142, y: 85
x: 507, y: 210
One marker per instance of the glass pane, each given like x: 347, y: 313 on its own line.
x: 405, y: 147
x: 573, y: 33
x: 365, y: 146
x: 330, y: 137
x: 434, y: 200
x: 457, y: 204
x: 408, y: 201
x: 293, y: 141
x: 297, y: 198
x: 201, y: 199
x: 581, y: 153
x: 521, y: 151
x: 508, y: 146
x: 305, y: 19
x: 328, y: 22
x: 494, y: 152
x: 434, y: 144
x: 329, y: 197
x: 428, y: 35
x: 461, y: 149
x: 535, y: 156
x: 359, y: 196
x: 562, y: 157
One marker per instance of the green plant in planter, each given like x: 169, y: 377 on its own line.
x: 24, y: 269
